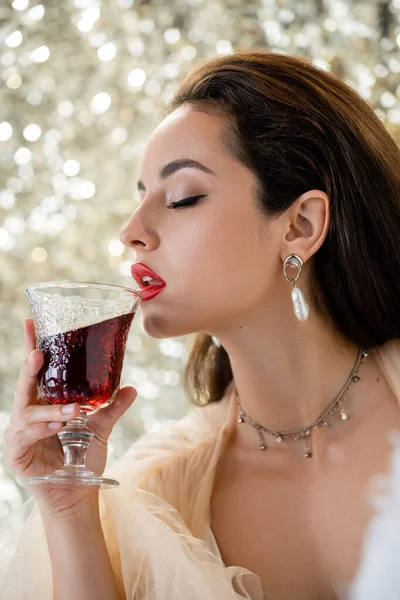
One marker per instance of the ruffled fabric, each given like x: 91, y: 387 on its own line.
x: 172, y: 480
x: 166, y: 561
x: 156, y: 523
x: 212, y: 542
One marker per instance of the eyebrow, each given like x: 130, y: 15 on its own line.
x: 177, y: 165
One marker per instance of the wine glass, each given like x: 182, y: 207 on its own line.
x: 82, y: 329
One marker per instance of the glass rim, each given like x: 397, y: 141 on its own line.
x: 82, y: 284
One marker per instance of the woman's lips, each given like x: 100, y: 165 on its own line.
x: 151, y: 289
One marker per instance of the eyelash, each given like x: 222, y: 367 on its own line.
x: 186, y: 201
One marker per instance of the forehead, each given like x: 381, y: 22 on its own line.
x: 185, y: 132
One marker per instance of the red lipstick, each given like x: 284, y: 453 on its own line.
x: 149, y: 282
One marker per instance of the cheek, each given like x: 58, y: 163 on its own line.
x: 227, y: 257
x: 210, y: 257
x: 215, y: 272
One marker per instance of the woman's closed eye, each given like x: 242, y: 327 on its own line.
x: 186, y: 201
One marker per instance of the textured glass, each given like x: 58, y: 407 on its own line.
x: 56, y: 313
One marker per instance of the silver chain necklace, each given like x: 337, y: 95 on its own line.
x: 320, y: 422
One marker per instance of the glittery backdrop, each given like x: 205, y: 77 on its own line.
x: 82, y: 84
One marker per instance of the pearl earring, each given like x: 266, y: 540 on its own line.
x: 300, y: 306
x: 216, y: 341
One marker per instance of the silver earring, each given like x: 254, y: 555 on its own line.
x: 216, y: 341
x: 300, y: 306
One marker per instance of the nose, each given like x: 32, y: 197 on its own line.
x: 135, y: 234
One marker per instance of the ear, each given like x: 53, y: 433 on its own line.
x: 307, y: 225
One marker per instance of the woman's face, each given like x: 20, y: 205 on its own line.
x: 218, y: 257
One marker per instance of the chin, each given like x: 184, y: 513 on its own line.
x: 186, y: 316
x: 159, y: 327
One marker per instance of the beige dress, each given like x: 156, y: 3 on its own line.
x: 157, y: 523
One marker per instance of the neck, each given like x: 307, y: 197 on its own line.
x: 285, y: 384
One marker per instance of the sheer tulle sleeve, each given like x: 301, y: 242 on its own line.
x: 160, y: 559
x: 153, y: 523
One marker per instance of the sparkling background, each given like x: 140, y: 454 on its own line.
x: 82, y: 83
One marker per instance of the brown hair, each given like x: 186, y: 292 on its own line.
x: 297, y: 128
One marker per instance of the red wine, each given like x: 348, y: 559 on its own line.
x: 84, y: 365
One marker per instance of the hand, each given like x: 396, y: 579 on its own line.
x: 32, y: 448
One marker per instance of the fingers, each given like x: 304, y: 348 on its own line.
x: 103, y: 421
x: 46, y: 413
x: 35, y: 423
x: 23, y: 440
x: 29, y: 335
x: 26, y: 386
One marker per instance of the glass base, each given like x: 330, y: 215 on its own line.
x: 75, y: 478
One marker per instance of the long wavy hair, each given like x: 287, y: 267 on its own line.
x: 297, y: 128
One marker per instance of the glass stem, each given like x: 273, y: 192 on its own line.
x: 75, y: 438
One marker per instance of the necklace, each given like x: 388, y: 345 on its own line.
x: 304, y: 433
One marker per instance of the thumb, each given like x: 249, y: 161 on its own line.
x: 103, y: 421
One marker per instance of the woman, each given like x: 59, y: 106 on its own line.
x: 270, y: 209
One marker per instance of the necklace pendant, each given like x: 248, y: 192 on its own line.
x: 343, y: 415
x: 324, y: 423
x: 356, y: 378
x: 240, y: 420
x: 308, y: 453
x: 263, y: 445
x: 278, y: 438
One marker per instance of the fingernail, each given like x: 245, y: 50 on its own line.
x: 68, y: 408
x: 30, y: 357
